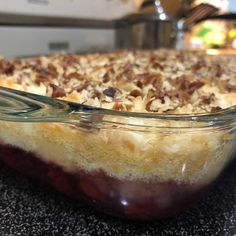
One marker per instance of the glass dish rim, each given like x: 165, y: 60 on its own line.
x: 224, y: 117
x: 62, y: 111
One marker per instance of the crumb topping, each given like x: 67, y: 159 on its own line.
x: 161, y: 81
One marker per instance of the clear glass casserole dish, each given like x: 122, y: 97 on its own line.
x: 134, y: 165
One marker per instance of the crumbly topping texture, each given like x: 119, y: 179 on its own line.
x: 161, y: 81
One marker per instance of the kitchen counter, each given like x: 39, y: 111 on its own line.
x: 30, y: 208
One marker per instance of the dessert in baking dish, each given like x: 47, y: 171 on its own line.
x: 146, y: 160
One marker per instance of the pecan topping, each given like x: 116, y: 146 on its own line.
x: 146, y: 79
x: 41, y: 70
x: 215, y: 109
x: 6, y: 67
x: 96, y: 94
x: 183, y: 97
x: 109, y: 74
x: 219, y: 70
x: 181, y: 56
x: 128, y: 67
x: 148, y: 105
x: 135, y: 93
x: 194, y: 86
x: 141, y: 81
x: 198, y: 65
x: 105, y: 78
x: 230, y: 88
x: 127, y: 74
x: 81, y: 87
x: 110, y: 92
x: 182, y: 82
x: 159, y: 95
x: 41, y: 79
x: 172, y: 93
x: 49, y: 71
x: 74, y: 75
x: 68, y: 60
x: 52, y: 71
x: 57, y: 91
x: 207, y: 99
x: 185, y: 84
x: 139, y: 84
x: 157, y: 65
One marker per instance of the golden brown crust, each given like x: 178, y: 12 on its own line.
x: 185, y: 157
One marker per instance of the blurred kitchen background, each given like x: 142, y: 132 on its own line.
x: 32, y: 27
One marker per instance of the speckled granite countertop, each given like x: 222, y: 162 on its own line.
x: 28, y: 208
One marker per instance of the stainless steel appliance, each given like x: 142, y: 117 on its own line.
x: 153, y: 27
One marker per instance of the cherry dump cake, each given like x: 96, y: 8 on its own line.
x: 164, y: 133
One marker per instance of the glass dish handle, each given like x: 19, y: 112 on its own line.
x: 19, y: 106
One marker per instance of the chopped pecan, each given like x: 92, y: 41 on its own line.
x: 81, y: 87
x: 230, y: 87
x: 105, y: 78
x: 200, y: 64
x: 57, y: 91
x: 110, y: 92
x: 49, y: 71
x: 215, y: 109
x: 153, y: 105
x: 136, y: 93
x: 207, y: 99
x: 74, y: 75
x: 128, y: 66
x: 68, y: 60
x: 52, y: 70
x: 41, y: 70
x: 182, y: 82
x: 6, y: 67
x: 145, y: 79
x: 185, y: 84
x: 110, y: 72
x: 96, y: 94
x: 151, y: 94
x: 148, y: 105
x: 172, y: 93
x: 139, y: 84
x: 219, y: 70
x: 157, y: 65
x: 183, y: 97
x: 181, y: 56
x: 160, y: 95
x: 194, y: 86
x: 127, y: 74
x: 41, y: 79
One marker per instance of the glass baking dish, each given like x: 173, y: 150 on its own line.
x: 134, y: 165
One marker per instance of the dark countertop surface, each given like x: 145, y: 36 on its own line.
x: 29, y: 208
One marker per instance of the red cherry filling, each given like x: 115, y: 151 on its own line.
x: 125, y: 198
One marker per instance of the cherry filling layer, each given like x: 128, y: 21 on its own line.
x: 125, y: 198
